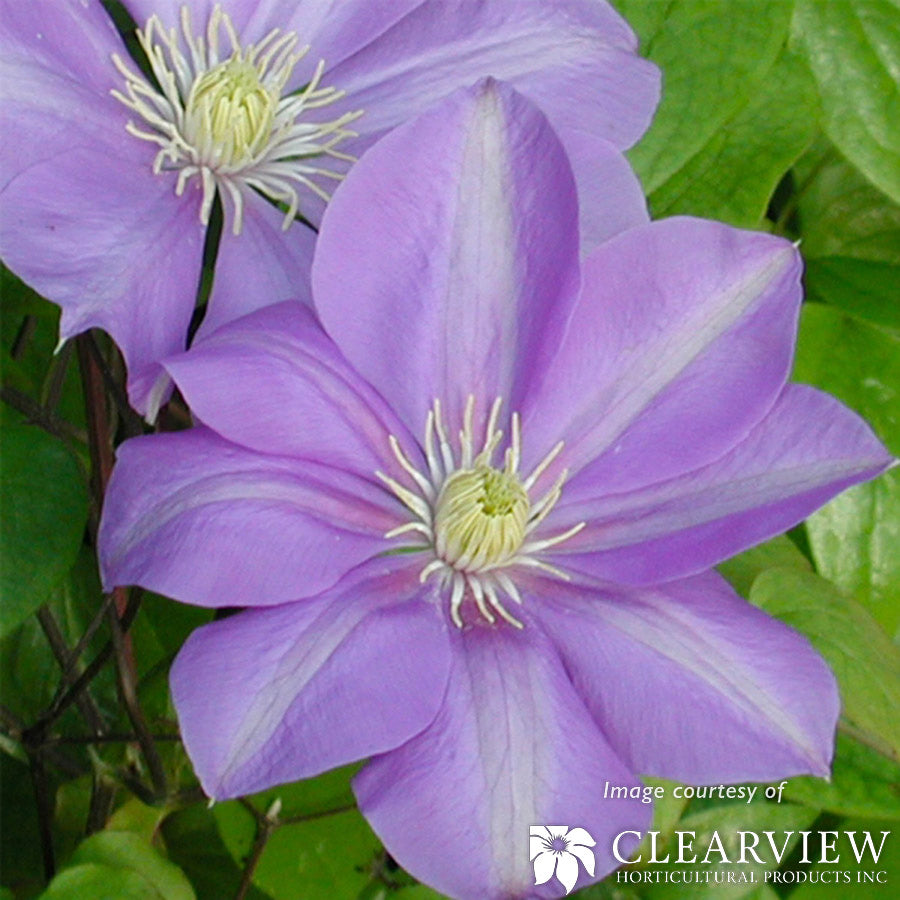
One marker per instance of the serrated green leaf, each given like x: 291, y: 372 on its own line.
x: 127, y: 851
x: 862, y: 657
x: 854, y: 52
x: 862, y: 783
x: 733, y: 175
x: 45, y: 507
x: 854, y: 538
x: 714, y: 58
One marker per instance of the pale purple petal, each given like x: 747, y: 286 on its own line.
x: 447, y: 260
x: 513, y: 746
x: 334, y: 29
x: 689, y: 681
x: 680, y: 343
x: 108, y: 243
x: 262, y: 265
x: 83, y: 219
x: 273, y: 381
x: 273, y: 695
x: 805, y: 451
x: 610, y: 196
x: 575, y: 59
x: 59, y: 49
x: 199, y: 519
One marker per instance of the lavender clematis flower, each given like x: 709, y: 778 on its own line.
x: 109, y: 175
x: 561, y: 450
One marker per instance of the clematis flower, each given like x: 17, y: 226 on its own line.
x: 473, y: 509
x: 110, y: 171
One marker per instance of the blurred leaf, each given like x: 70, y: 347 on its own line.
x: 123, y: 850
x: 193, y: 841
x: 714, y: 58
x: 93, y: 881
x: 742, y: 570
x: 326, y: 857
x: 853, y: 885
x: 854, y: 52
x: 854, y: 538
x: 45, y: 507
x: 727, y: 820
x: 841, y: 214
x: 863, y: 783
x: 137, y: 818
x: 867, y: 289
x: 862, y: 657
x: 733, y: 175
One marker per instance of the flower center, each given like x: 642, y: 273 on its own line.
x: 479, y: 522
x: 231, y: 110
x: 222, y: 115
x: 480, y: 518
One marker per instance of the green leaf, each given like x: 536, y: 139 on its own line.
x: 714, y: 58
x: 45, y: 508
x: 854, y: 538
x: 93, y: 881
x: 742, y: 570
x: 862, y: 783
x: 330, y: 856
x: 193, y: 841
x: 841, y: 214
x: 867, y: 289
x: 124, y: 850
x: 862, y: 657
x: 734, y: 174
x: 854, y: 52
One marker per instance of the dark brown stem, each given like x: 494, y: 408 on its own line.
x: 265, y: 826
x: 37, y: 415
x: 63, y: 701
x: 86, y: 705
x: 128, y: 693
x: 44, y: 804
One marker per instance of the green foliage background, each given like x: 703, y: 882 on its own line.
x: 779, y: 115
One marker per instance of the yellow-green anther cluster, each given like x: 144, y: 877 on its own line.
x: 231, y: 110
x: 480, y: 518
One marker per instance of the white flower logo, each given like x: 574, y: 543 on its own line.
x: 556, y: 849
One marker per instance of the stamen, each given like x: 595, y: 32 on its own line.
x: 478, y: 520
